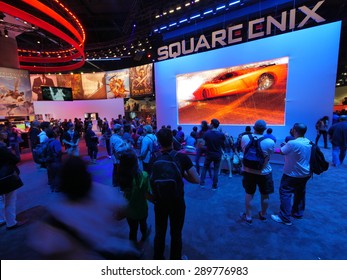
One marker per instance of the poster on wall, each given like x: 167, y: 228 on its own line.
x: 117, y: 84
x: 234, y: 94
x: 38, y: 80
x: 73, y: 81
x: 94, y: 86
x: 141, y: 80
x: 15, y: 93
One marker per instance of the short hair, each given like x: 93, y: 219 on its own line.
x: 300, y: 128
x: 269, y: 131
x: 164, y: 136
x: 195, y: 128
x: 44, y: 125
x: 248, y: 128
x: 215, y: 123
x: 148, y: 128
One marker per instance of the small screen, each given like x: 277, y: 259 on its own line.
x: 56, y: 93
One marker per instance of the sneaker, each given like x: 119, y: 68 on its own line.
x: 245, y: 219
x: 261, y: 217
x: 214, y: 187
x: 184, y: 258
x: 17, y: 225
x: 202, y: 186
x: 297, y: 217
x: 277, y: 219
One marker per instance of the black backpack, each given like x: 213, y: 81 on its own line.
x: 253, y: 156
x: 43, y: 153
x: 166, y: 178
x: 318, y: 164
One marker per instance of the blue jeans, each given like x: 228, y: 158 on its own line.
x: 339, y: 154
x: 216, y: 163
x: 289, y: 186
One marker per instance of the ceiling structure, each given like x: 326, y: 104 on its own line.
x: 125, y: 33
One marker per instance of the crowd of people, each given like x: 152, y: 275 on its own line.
x: 139, y: 171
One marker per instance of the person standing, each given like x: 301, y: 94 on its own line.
x: 214, y: 141
x: 171, y: 208
x: 338, y: 137
x: 116, y: 142
x: 92, y: 142
x: 136, y: 187
x: 261, y: 178
x: 322, y: 129
x: 54, y: 166
x: 296, y: 173
x: 147, y: 145
x: 200, y: 144
x: 71, y: 139
x: 8, y: 166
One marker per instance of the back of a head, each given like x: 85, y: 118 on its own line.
x: 75, y: 179
x: 300, y: 128
x: 215, y: 123
x: 269, y: 131
x: 50, y: 133
x: 204, y: 125
x: 128, y: 168
x: 44, y: 125
x: 148, y: 128
x: 259, y: 126
x: 248, y: 128
x: 164, y: 136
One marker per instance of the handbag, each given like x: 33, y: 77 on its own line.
x: 10, y: 183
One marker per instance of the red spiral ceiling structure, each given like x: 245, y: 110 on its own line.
x: 62, y: 24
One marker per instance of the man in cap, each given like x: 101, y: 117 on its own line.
x: 148, y: 142
x: 261, y: 178
x: 214, y: 142
x: 338, y: 137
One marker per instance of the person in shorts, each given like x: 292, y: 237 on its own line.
x: 261, y: 178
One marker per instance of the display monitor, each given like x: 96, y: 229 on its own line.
x: 56, y: 93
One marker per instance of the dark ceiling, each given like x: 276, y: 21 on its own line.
x: 118, y: 27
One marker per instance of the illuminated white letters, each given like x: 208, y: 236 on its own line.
x: 224, y: 37
x: 219, y: 36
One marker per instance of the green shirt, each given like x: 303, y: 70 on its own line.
x: 136, y: 196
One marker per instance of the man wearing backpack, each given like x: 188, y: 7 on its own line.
x: 257, y: 174
x: 168, y: 191
x: 148, y: 144
x: 296, y: 172
x: 117, y: 144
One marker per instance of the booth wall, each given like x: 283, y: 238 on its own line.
x: 109, y: 108
x: 313, y: 56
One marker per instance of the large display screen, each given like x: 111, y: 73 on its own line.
x: 236, y: 92
x: 56, y: 93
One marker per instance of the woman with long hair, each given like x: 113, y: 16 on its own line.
x: 136, y: 187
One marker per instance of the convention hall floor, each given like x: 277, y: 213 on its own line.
x: 213, y: 229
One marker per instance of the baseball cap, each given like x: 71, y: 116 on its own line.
x: 260, y: 125
x: 117, y: 127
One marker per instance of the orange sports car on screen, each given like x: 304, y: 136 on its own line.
x: 241, y: 81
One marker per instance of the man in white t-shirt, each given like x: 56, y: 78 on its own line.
x: 261, y: 178
x: 296, y: 172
